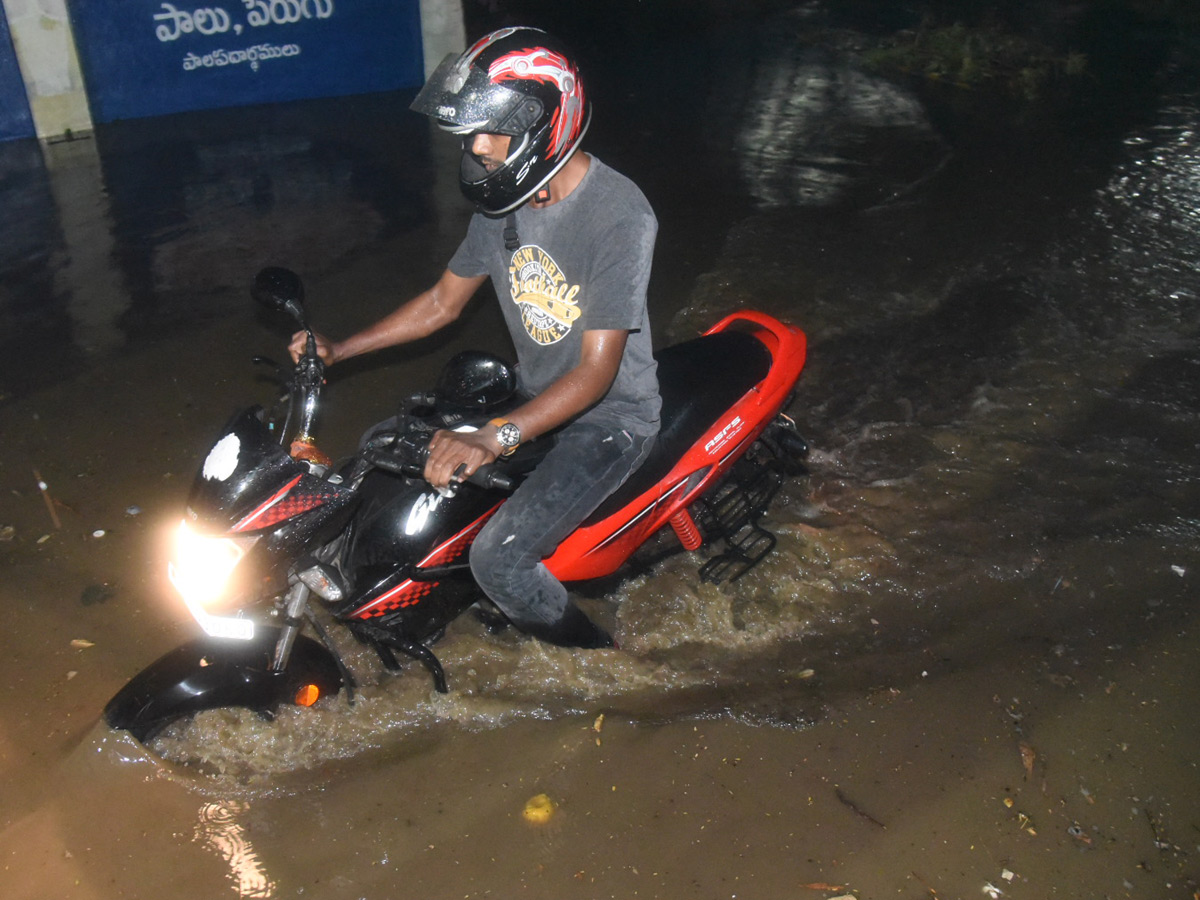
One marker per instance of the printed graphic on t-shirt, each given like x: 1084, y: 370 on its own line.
x: 545, y: 297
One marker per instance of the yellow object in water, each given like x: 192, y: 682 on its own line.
x: 538, y: 809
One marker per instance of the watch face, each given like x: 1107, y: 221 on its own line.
x: 509, y: 435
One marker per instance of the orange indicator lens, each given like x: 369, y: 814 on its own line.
x: 307, y: 695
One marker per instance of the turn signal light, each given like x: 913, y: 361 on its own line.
x: 307, y: 695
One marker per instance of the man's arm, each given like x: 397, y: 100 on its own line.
x: 420, y: 317
x: 570, y: 395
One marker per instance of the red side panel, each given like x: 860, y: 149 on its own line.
x: 601, y: 548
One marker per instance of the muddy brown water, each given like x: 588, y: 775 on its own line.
x: 968, y: 669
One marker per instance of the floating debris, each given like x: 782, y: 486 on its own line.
x: 1179, y: 570
x: 538, y: 809
x: 854, y: 808
x: 99, y: 533
x: 81, y: 644
x: 7, y: 533
x: 133, y: 510
x: 1028, y: 758
x: 45, y: 489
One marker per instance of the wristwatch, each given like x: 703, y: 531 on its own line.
x: 508, y: 435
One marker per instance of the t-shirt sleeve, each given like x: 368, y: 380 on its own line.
x: 468, y: 259
x: 621, y: 274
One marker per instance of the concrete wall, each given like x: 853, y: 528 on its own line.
x: 442, y: 29
x: 41, y: 36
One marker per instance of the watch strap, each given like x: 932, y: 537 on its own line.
x: 506, y: 431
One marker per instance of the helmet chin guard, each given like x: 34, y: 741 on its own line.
x: 518, y: 82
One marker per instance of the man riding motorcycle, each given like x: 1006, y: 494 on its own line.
x: 567, y: 242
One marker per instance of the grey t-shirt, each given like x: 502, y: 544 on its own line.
x: 582, y: 264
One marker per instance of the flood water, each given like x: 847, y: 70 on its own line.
x: 969, y: 668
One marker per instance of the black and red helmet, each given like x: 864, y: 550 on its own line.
x: 518, y: 82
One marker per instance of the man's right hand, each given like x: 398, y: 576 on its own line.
x: 326, y: 349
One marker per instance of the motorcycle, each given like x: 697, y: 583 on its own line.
x: 369, y: 545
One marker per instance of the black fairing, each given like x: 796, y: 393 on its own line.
x: 262, y: 468
x: 402, y: 520
x: 225, y: 493
x: 210, y: 673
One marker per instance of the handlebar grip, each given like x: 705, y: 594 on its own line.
x: 389, y: 463
x: 493, y: 479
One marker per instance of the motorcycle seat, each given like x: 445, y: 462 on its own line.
x: 699, y: 380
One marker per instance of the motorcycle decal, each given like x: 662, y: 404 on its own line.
x: 547, y: 301
x: 280, y: 507
x: 411, y: 591
x: 722, y: 436
x: 421, y: 511
x: 645, y: 512
x: 221, y: 461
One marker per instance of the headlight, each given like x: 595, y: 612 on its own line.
x: 201, y: 570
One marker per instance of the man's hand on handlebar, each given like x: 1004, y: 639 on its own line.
x: 456, y: 455
x: 326, y: 349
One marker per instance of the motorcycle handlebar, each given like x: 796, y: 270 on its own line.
x: 492, y: 479
x: 487, y: 477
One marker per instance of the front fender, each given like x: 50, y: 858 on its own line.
x: 209, y: 673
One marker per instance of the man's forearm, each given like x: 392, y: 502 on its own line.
x: 420, y: 317
x: 577, y: 390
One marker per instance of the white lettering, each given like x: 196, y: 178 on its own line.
x: 724, y: 434
x: 285, y: 12
x: 172, y: 23
x: 252, y: 55
x: 176, y: 22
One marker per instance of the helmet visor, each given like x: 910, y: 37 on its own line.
x: 462, y: 99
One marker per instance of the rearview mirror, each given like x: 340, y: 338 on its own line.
x: 278, y: 288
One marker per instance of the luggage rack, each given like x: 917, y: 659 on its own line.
x: 732, y: 512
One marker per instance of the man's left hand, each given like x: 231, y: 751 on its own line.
x: 450, y: 450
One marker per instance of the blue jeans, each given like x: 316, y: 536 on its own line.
x: 587, y: 464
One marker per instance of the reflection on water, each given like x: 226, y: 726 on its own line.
x: 157, y: 225
x: 812, y: 128
x: 1151, y: 208
x: 220, y: 830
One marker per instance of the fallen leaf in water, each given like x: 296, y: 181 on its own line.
x: 1028, y: 757
x: 81, y: 644
x: 599, y: 723
x: 822, y: 886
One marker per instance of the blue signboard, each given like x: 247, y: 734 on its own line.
x: 15, y: 118
x: 147, y: 58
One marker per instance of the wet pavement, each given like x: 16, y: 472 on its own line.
x: 968, y: 668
